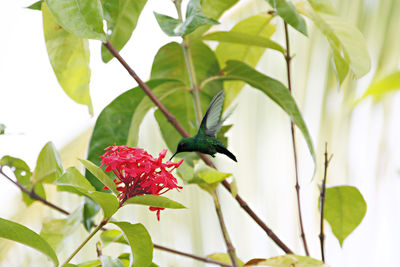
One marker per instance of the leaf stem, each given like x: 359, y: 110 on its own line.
x: 322, y: 203
x: 297, y: 186
x: 104, y: 222
x: 171, y: 118
x: 228, y: 242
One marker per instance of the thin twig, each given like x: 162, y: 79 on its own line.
x: 227, y: 239
x: 184, y: 133
x: 322, y: 202
x: 25, y: 190
x: 32, y: 194
x: 204, y: 259
x: 297, y: 186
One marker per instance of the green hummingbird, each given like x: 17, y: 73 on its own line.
x: 205, y: 140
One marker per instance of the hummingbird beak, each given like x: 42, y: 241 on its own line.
x: 173, y: 155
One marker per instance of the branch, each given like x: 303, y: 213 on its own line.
x: 183, y: 133
x: 228, y: 242
x: 322, y: 203
x: 33, y: 195
x: 297, y: 186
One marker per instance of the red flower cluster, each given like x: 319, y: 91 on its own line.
x: 139, y: 173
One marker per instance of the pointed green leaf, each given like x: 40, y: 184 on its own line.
x: 69, y: 58
x: 155, y: 201
x: 344, y: 209
x: 100, y: 175
x: 108, y: 202
x: 258, y: 25
x: 21, y: 234
x: 346, y: 41
x: 122, y: 18
x: 36, y: 6
x: 23, y: 174
x: 112, y: 126
x: 287, y: 11
x: 288, y: 260
x: 73, y: 179
x: 244, y: 39
x: 380, y: 87
x: 2, y: 128
x: 168, y: 25
x: 223, y: 257
x: 80, y: 17
x: 275, y: 90
x: 210, y: 175
x: 108, y: 261
x: 140, y: 242
x: 48, y: 165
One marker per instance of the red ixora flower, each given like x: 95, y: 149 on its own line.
x: 139, y: 173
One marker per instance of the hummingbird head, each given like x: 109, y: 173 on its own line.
x: 183, y: 145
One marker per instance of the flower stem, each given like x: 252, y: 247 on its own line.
x: 228, y: 242
x: 297, y: 186
x: 104, y: 222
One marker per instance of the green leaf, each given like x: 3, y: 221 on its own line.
x: 169, y: 63
x: 275, y: 90
x: 90, y: 209
x: 122, y: 18
x: 112, y: 126
x: 108, y: 261
x: 221, y: 134
x: 2, y: 128
x: 380, y: 87
x: 287, y: 11
x: 21, y: 234
x: 108, y: 202
x: 92, y: 263
x: 223, y: 257
x: 344, y: 209
x: 244, y: 39
x: 36, y: 6
x: 288, y: 260
x: 194, y: 19
x: 258, y: 25
x: 114, y: 235
x: 346, y: 42
x: 69, y: 58
x: 72, y: 180
x: 100, y: 175
x: 161, y: 91
x: 168, y: 25
x: 155, y: 201
x: 140, y: 242
x: 23, y: 174
x: 210, y: 175
x: 56, y: 230
x: 234, y: 187
x: 48, y: 165
x: 80, y: 17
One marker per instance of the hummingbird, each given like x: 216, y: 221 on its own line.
x: 205, y: 140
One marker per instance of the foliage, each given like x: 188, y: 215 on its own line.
x: 184, y: 78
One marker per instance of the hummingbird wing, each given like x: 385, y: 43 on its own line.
x: 212, y: 122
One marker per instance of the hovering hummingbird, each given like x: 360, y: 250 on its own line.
x: 205, y: 141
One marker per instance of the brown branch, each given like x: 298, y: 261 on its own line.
x: 32, y: 194
x: 322, y: 203
x: 297, y: 186
x: 171, y: 118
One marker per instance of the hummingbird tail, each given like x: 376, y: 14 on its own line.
x: 225, y: 151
